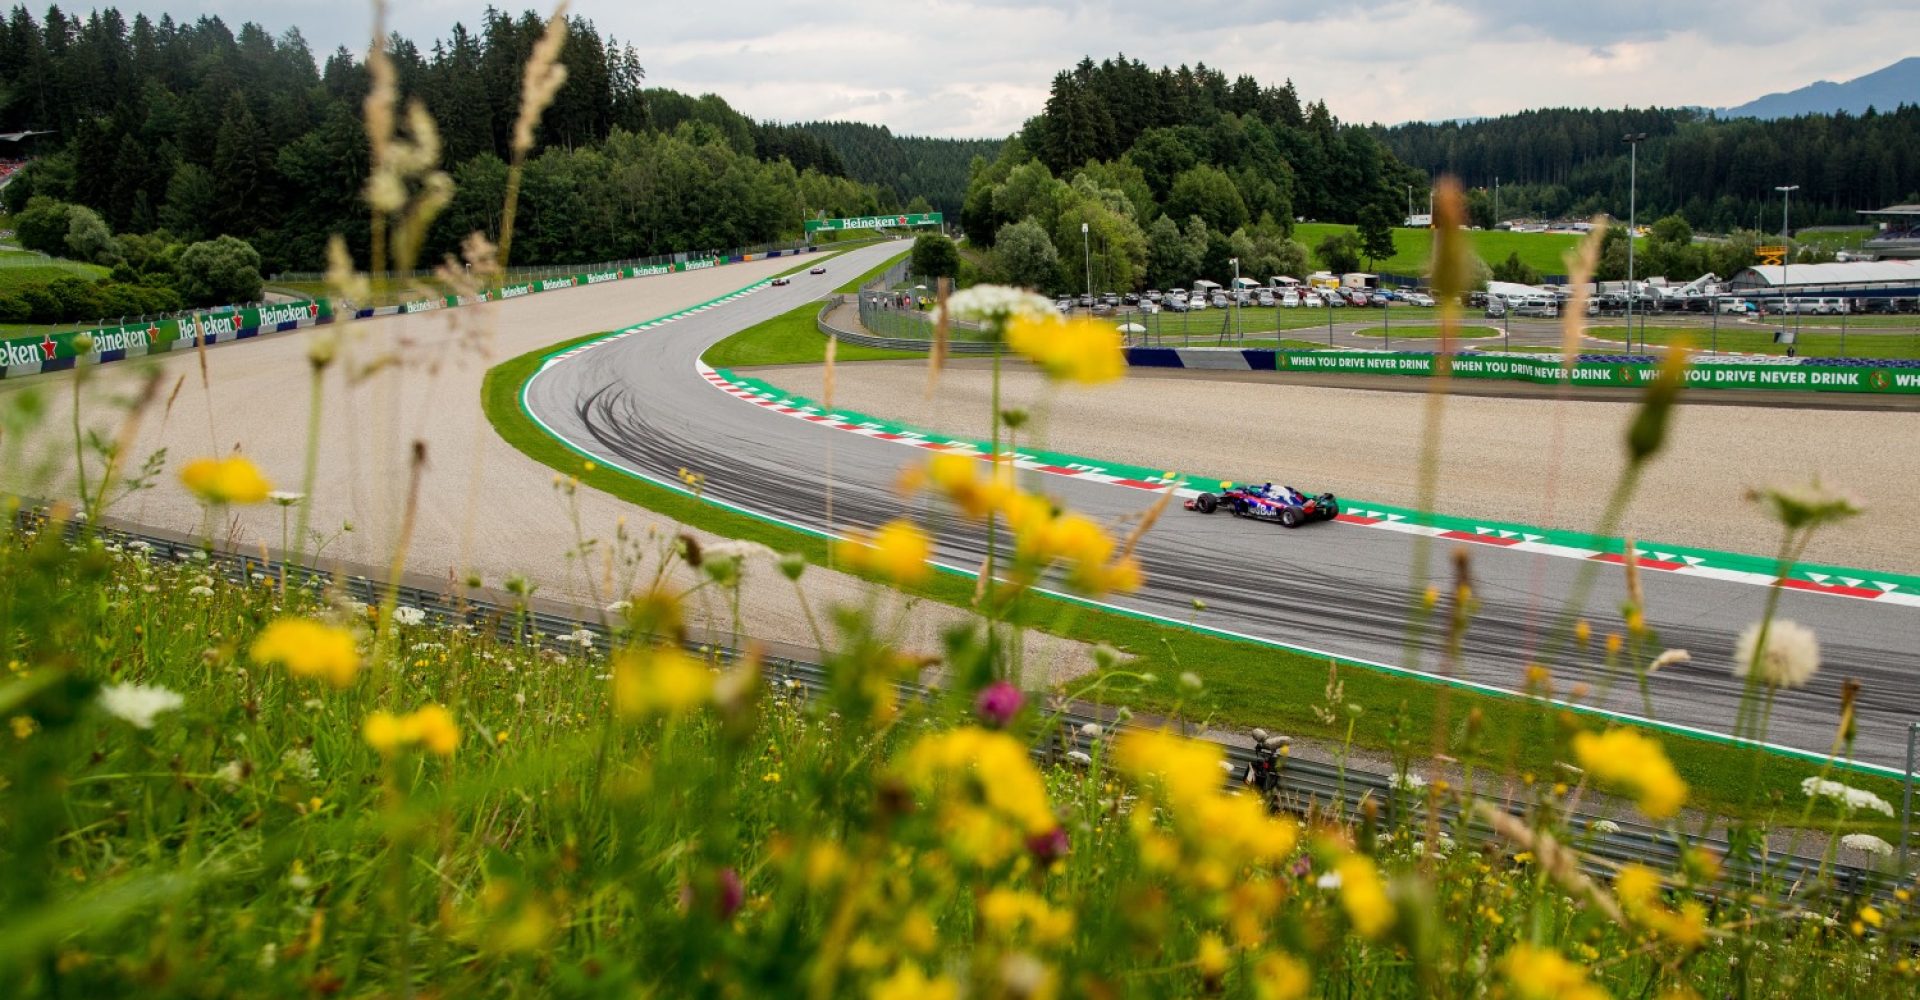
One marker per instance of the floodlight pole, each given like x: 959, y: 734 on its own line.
x: 1633, y: 141
x: 1086, y: 252
x: 1786, y: 256
x: 1234, y: 299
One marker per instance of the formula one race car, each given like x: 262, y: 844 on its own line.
x: 777, y: 282
x: 1269, y: 503
x: 820, y: 269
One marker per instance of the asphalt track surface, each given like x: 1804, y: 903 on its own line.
x: 640, y: 404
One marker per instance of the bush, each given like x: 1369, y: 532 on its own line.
x: 43, y: 226
x: 88, y: 237
x: 42, y: 305
x: 218, y: 272
x: 14, y: 309
x: 79, y: 299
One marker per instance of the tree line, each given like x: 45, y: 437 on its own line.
x: 1174, y: 174
x: 189, y: 131
x: 934, y: 171
x: 1719, y: 174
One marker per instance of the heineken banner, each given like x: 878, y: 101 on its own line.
x: 56, y: 351
x: 1792, y: 374
x: 874, y: 222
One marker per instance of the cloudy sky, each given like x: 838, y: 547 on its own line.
x: 980, y: 67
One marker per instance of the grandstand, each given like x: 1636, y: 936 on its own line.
x: 1899, y: 234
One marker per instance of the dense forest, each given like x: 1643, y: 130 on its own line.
x: 1718, y: 174
x: 1174, y: 173
x: 192, y: 131
x: 912, y: 167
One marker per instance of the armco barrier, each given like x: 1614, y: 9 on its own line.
x: 1860, y: 375
x: 865, y: 339
x: 60, y: 351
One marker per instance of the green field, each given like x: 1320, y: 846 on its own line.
x: 1544, y: 252
x: 1848, y: 238
x: 18, y: 270
x: 1428, y: 331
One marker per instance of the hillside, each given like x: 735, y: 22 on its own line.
x: 908, y: 165
x: 1884, y: 89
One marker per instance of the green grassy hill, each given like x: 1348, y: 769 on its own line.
x: 1543, y: 252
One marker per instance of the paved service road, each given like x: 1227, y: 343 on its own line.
x: 640, y: 403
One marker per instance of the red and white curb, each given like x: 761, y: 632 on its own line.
x: 1858, y: 588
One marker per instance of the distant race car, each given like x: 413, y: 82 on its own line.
x: 1284, y: 504
x: 777, y: 282
x: 822, y: 269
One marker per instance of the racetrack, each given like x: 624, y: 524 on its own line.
x: 640, y: 404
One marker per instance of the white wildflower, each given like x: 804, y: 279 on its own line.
x: 1867, y: 842
x: 579, y: 637
x: 1408, y: 781
x: 1079, y: 757
x: 736, y: 549
x: 997, y: 304
x: 230, y: 772
x: 1603, y: 826
x: 1790, y: 659
x: 408, y: 615
x: 139, y: 546
x: 619, y: 609
x: 200, y: 591
x: 1845, y: 796
x: 285, y: 498
x: 299, y: 762
x: 1230, y: 767
x: 1330, y: 881
x: 137, y: 704
x: 1091, y: 730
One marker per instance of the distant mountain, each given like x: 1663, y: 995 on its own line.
x: 1884, y: 90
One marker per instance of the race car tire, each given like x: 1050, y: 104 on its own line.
x: 1290, y: 517
x: 1329, y: 511
x: 1206, y: 503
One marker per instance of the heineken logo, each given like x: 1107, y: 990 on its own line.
x: 695, y: 265
x: 19, y: 352
x: 594, y: 279
x: 122, y: 339
x: 641, y: 272
x: 515, y: 291
x: 424, y: 305
x: 291, y: 312
x: 549, y: 284
x: 214, y: 326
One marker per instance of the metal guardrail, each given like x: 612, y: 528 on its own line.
x: 1305, y: 787
x: 865, y: 338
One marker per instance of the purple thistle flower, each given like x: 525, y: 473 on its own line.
x: 998, y: 703
x: 1047, y: 848
x: 731, y: 893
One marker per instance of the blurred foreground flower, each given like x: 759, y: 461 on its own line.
x: 1635, y: 764
x: 309, y: 649
x: 996, y: 304
x: 1789, y: 658
x: 1535, y: 973
x: 897, y: 552
x: 659, y: 681
x: 1639, y: 891
x: 990, y: 799
x: 1807, y: 506
x: 431, y: 727
x: 137, y: 704
x: 1077, y: 350
x: 232, y: 480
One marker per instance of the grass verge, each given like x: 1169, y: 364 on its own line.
x: 790, y: 338
x: 1892, y: 346
x: 1247, y: 683
x: 875, y: 271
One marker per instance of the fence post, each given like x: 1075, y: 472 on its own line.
x: 1906, y: 808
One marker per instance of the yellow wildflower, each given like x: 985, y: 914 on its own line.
x: 1006, y: 911
x: 232, y: 480
x: 1364, y: 895
x: 309, y: 649
x: 432, y: 727
x: 909, y: 983
x: 659, y: 681
x: 1187, y: 773
x: 1544, y: 974
x: 992, y: 767
x: 1637, y: 765
x: 23, y: 726
x: 898, y: 552
x: 1280, y: 977
x: 1582, y: 632
x: 1638, y: 889
x: 1078, y: 350
x: 1213, y: 956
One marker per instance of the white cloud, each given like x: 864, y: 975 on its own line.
x: 981, y: 67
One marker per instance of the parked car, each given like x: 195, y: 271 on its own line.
x: 1418, y: 299
x: 1733, y: 307
x: 1379, y: 300
x: 1219, y: 300
x: 1174, y: 303
x: 1198, y: 303
x: 1290, y: 299
x: 1264, y: 299
x: 1358, y: 297
x: 1496, y: 309
x: 1153, y: 295
x: 1333, y: 298
x: 1130, y: 299
x: 1539, y: 307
